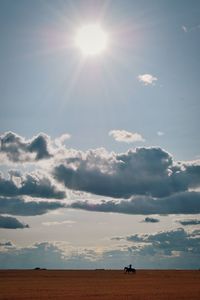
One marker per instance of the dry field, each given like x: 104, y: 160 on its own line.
x: 58, y: 284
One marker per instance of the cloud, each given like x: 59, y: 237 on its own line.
x: 11, y: 223
x: 33, y: 184
x: 166, y: 249
x: 167, y: 242
x: 31, y: 257
x: 160, y: 133
x: 126, y: 136
x: 20, y: 207
x: 189, y: 222
x: 181, y: 203
x: 67, y: 222
x: 18, y: 149
x: 61, y: 140
x: 184, y: 28
x: 151, y: 220
x: 148, y: 176
x: 187, y: 29
x: 54, y: 254
x: 147, y: 79
x: 142, y: 171
x: 6, y: 244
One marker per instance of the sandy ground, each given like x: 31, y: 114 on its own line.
x: 58, y: 284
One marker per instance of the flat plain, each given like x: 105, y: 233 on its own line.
x: 99, y: 284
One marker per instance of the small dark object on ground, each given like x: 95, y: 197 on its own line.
x: 129, y: 269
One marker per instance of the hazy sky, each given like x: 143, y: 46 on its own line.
x: 100, y: 153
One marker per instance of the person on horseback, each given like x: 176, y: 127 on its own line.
x: 129, y: 269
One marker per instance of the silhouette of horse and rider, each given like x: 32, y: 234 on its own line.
x: 129, y: 269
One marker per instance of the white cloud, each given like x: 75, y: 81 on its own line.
x: 160, y: 133
x: 126, y: 136
x: 189, y: 29
x: 147, y: 79
x: 184, y: 28
x: 61, y: 140
x: 67, y: 222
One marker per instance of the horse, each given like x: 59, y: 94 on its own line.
x: 129, y: 270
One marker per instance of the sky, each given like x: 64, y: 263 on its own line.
x: 99, y: 154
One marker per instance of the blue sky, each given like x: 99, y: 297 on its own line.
x: 104, y: 102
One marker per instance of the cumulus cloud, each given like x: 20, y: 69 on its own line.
x: 33, y: 184
x: 61, y: 140
x: 181, y: 203
x: 189, y: 222
x: 18, y: 149
x: 11, y: 223
x: 142, y: 171
x: 126, y: 136
x: 55, y: 257
x: 167, y: 242
x: 20, y: 207
x: 151, y: 220
x: 147, y: 79
x: 146, y: 175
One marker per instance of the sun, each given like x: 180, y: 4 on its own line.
x: 91, y: 39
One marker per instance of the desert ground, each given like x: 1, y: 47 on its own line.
x: 99, y: 284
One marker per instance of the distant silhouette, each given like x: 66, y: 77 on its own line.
x: 37, y: 268
x: 129, y: 269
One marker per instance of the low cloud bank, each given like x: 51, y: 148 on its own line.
x: 166, y: 249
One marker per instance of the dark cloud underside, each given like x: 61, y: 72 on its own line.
x: 17, y: 206
x: 189, y: 222
x: 17, y: 149
x: 11, y: 223
x: 181, y: 203
x: 143, y: 171
x: 149, y: 177
x: 34, y: 185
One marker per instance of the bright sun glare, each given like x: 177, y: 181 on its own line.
x: 91, y: 39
